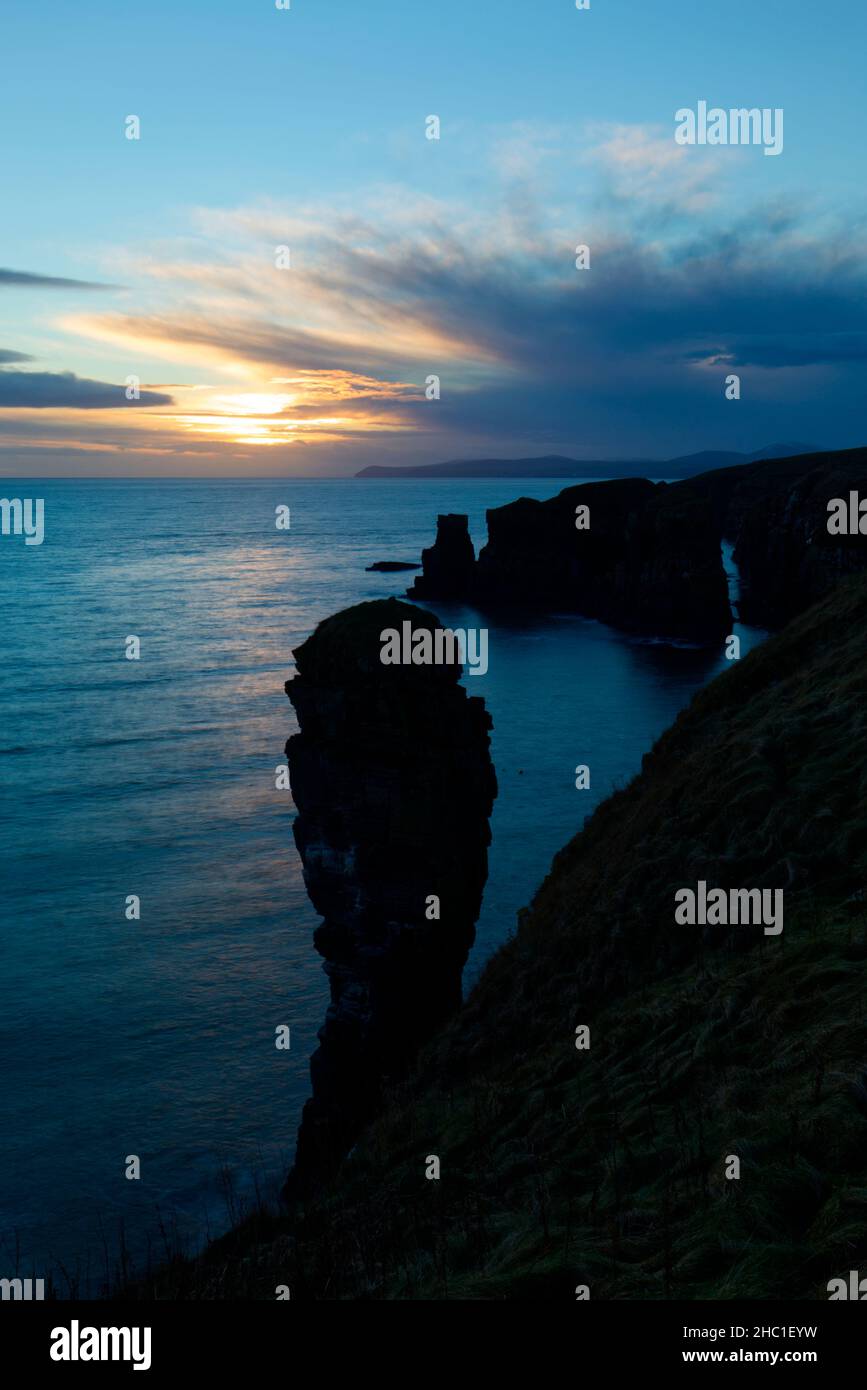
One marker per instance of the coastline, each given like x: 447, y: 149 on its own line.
x: 641, y: 955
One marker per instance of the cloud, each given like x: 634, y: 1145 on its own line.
x: 7, y: 355
x: 811, y: 351
x: 222, y: 339
x: 454, y: 285
x: 24, y: 279
x: 642, y: 167
x: 687, y: 278
x: 527, y: 347
x: 58, y: 390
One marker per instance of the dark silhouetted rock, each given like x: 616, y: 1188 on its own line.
x: 649, y: 561
x: 786, y: 556
x: 776, y: 512
x: 448, y: 566
x: 393, y: 784
x: 392, y: 566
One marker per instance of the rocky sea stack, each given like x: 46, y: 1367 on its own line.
x: 393, y: 783
x: 449, y: 565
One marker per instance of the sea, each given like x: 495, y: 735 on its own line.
x: 151, y: 1037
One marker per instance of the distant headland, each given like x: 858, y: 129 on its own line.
x: 556, y: 466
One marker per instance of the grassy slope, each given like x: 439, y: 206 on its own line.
x: 606, y: 1167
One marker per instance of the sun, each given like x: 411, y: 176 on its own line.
x: 253, y: 403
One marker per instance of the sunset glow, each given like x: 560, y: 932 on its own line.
x: 385, y: 298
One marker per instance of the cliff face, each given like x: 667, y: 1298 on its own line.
x: 786, y: 555
x: 650, y: 560
x: 776, y: 512
x: 647, y: 558
x: 393, y: 784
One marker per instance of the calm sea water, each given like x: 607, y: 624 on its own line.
x: 156, y: 778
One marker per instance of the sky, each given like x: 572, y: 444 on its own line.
x: 150, y: 324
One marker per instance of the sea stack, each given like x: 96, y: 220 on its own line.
x: 448, y: 566
x: 393, y: 785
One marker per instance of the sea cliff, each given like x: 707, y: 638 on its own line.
x: 632, y: 553
x: 648, y: 558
